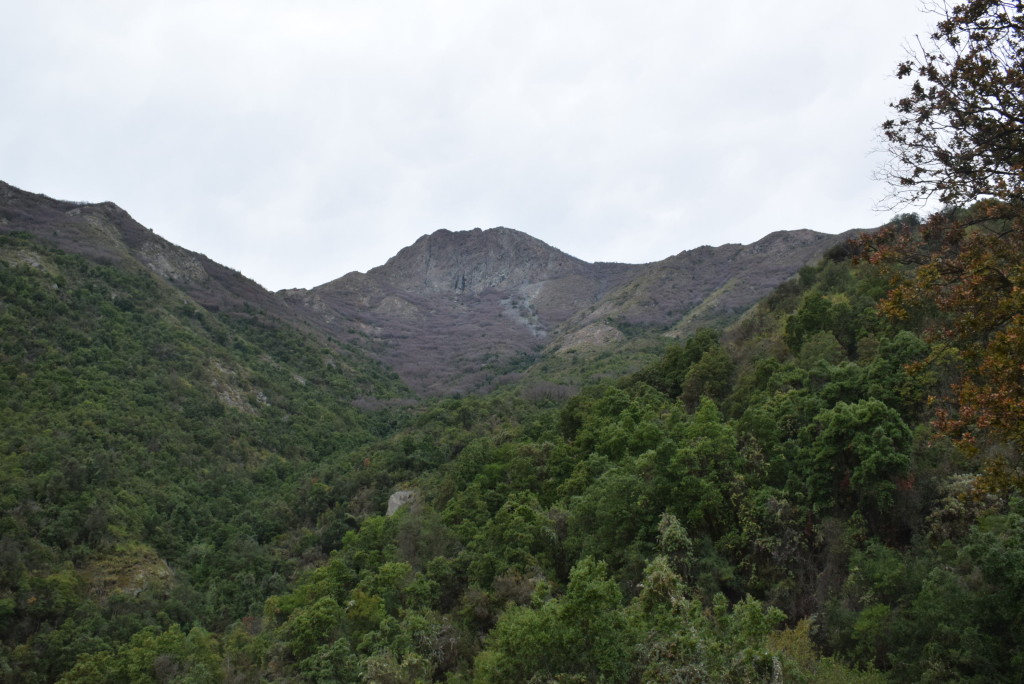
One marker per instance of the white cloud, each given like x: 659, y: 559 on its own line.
x: 298, y: 141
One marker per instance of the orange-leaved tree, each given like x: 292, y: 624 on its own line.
x: 958, y: 136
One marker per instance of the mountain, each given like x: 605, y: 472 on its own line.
x: 453, y: 310
x: 188, y: 285
x: 107, y: 234
x: 457, y: 311
x: 449, y: 309
x: 141, y: 430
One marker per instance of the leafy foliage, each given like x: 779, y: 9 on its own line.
x: 957, y: 132
x: 201, y: 502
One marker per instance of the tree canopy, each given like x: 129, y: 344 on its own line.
x: 958, y: 135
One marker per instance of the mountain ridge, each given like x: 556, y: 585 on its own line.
x: 454, y: 308
x: 106, y: 233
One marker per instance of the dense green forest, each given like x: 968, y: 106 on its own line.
x: 194, y: 497
x: 828, y: 490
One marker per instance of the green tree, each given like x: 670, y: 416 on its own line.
x: 668, y: 375
x: 962, y: 621
x: 584, y: 633
x: 154, y: 656
x: 702, y: 471
x: 311, y: 626
x: 682, y: 641
x: 519, y: 538
x: 710, y: 376
x: 852, y: 456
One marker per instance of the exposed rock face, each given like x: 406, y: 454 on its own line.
x: 399, y: 499
x: 172, y: 264
x: 474, y: 261
x: 453, y: 309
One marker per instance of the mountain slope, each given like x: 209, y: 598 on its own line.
x: 711, y: 286
x: 107, y: 234
x: 456, y: 309
x: 152, y: 449
x: 453, y: 306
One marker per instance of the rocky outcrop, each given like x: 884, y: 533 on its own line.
x: 402, y: 497
x: 475, y: 261
x: 450, y: 312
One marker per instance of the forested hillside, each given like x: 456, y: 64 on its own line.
x: 157, y: 457
x: 716, y: 517
x: 193, y: 498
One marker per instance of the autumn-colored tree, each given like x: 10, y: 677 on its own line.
x: 958, y: 136
x: 967, y: 275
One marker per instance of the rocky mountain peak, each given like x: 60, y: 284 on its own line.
x: 475, y: 261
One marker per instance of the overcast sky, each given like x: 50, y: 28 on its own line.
x: 299, y: 140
